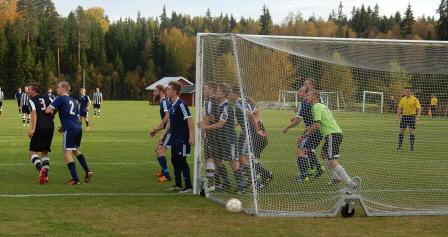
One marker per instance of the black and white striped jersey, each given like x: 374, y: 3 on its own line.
x: 97, y: 98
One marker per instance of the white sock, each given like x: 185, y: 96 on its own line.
x: 343, y: 174
x: 334, y: 174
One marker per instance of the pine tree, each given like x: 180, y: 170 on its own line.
x: 407, y: 22
x: 265, y: 22
x: 442, y: 23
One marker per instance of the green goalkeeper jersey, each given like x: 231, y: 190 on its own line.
x: 328, y: 124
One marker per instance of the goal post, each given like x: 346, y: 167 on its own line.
x: 365, y: 93
x: 245, y: 147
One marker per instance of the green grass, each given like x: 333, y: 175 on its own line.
x: 122, y: 156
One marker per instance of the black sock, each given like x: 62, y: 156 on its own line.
x: 83, y: 163
x: 72, y: 167
x: 177, y: 172
x: 239, y: 178
x: 412, y: 139
x: 303, y: 166
x: 313, y: 160
x: 36, y: 162
x: 221, y: 168
x: 400, y: 140
x: 265, y: 174
x: 87, y: 123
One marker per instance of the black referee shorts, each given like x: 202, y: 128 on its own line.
x: 41, y: 140
x: 407, y: 121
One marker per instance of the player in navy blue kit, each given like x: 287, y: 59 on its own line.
x: 18, y: 97
x: 165, y: 105
x: 41, y: 132
x: 307, y: 146
x: 71, y: 127
x: 180, y: 126
x: 84, y: 105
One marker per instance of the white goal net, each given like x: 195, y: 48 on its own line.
x: 246, y: 150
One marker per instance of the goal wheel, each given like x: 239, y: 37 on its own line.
x: 348, y: 210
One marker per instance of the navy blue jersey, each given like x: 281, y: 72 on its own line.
x: 39, y: 103
x: 84, y: 102
x: 226, y: 113
x: 51, y: 97
x: 241, y: 108
x: 179, y: 113
x: 305, y: 113
x: 18, y: 97
x: 165, y: 105
x: 68, y: 112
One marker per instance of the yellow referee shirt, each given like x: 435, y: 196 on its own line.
x: 409, y: 105
x: 434, y: 101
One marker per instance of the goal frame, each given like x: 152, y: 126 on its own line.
x: 364, y: 93
x: 344, y: 198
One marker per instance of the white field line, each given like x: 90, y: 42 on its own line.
x: 90, y: 163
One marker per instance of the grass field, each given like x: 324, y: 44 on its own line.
x: 124, y: 199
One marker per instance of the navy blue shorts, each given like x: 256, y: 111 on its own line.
x: 180, y: 148
x: 71, y: 139
x: 166, y: 141
x: 83, y: 113
x: 407, y: 121
x: 311, y: 142
x: 332, y: 145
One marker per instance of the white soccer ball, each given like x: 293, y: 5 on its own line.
x: 234, y: 205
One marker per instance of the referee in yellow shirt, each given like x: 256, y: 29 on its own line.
x: 434, y: 103
x: 409, y: 109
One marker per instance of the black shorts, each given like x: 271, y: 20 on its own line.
x: 166, y: 141
x: 71, y: 139
x: 180, y: 149
x: 311, y: 142
x: 25, y: 109
x: 41, y: 140
x: 332, y: 145
x: 1, y: 104
x: 407, y: 121
x: 97, y: 106
x: 83, y: 113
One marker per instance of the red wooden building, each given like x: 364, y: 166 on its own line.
x: 188, y: 89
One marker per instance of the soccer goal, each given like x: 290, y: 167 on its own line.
x: 240, y: 77
x: 370, y: 101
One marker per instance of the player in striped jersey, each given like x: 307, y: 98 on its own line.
x: 165, y: 105
x: 2, y: 97
x: 97, y: 101
x: 41, y: 132
x: 24, y: 105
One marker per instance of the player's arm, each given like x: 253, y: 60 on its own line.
x: 419, y: 109
x: 213, y: 126
x: 33, y: 115
x: 89, y: 102
x: 165, y: 120
x: 190, y: 131
x: 294, y: 122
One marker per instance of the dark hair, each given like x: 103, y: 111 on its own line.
x: 310, y: 80
x: 408, y: 88
x: 175, y: 85
x: 160, y: 88
x: 236, y: 89
x: 35, y: 87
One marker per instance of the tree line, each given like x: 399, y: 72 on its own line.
x: 122, y: 57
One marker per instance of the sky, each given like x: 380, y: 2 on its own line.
x: 248, y: 8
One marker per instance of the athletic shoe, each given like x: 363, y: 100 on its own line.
x: 88, y: 177
x: 186, y: 191
x: 318, y: 173
x: 73, y: 182
x: 175, y: 189
x: 163, y: 179
x: 159, y: 174
x: 88, y: 128
x: 42, y: 176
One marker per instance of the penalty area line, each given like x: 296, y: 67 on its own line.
x: 90, y: 194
